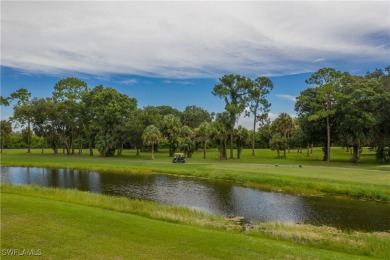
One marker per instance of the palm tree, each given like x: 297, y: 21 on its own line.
x: 6, y: 130
x: 283, y: 125
x: 219, y: 133
x: 151, y: 136
x: 187, y: 144
x: 203, y: 135
x: 188, y: 147
x: 241, y: 135
x: 186, y: 131
x: 171, y: 129
x: 278, y: 142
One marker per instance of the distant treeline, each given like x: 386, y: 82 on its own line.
x: 336, y: 109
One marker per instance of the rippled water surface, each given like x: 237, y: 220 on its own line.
x: 214, y: 196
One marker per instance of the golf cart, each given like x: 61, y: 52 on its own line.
x: 179, y: 158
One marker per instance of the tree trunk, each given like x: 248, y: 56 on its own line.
x: 120, y: 149
x: 137, y: 150
x: 171, y: 148
x: 356, y: 154
x: 231, y: 144
x: 152, y: 151
x: 311, y: 147
x: 328, y: 128
x: 72, y: 141
x: 222, y: 152
x: 53, y: 144
x: 308, y: 150
x: 278, y: 153
x: 66, y: 147
x: 284, y: 152
x: 90, y: 148
x: 324, y: 149
x: 28, y: 137
x: 81, y: 148
x: 328, y: 140
x: 204, y: 149
x: 55, y: 149
x: 253, y: 135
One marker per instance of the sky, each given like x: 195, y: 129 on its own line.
x: 173, y: 53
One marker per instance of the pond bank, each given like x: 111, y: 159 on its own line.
x: 200, y: 229
x: 218, y: 197
x: 360, y: 184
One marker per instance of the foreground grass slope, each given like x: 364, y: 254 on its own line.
x: 73, y: 224
x: 297, y: 174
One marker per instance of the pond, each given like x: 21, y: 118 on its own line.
x: 214, y: 196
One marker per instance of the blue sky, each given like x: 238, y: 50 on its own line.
x: 172, y: 53
x: 178, y: 93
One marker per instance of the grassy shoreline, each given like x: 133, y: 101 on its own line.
x: 203, y: 233
x: 316, y: 178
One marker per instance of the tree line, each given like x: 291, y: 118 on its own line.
x: 336, y: 108
x: 352, y: 111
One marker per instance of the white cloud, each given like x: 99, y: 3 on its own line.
x: 129, y: 81
x: 287, y: 97
x: 185, y: 82
x: 5, y: 118
x: 247, y: 122
x: 192, y: 39
x: 181, y: 82
x: 318, y: 60
x: 272, y: 116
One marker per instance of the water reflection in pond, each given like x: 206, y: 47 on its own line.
x: 214, y: 196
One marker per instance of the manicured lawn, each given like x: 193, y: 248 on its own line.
x: 72, y: 224
x: 339, y: 156
x: 297, y: 173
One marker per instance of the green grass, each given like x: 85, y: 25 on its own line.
x: 368, y: 180
x: 376, y: 244
x: 339, y: 156
x: 73, y: 224
x: 143, y: 208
